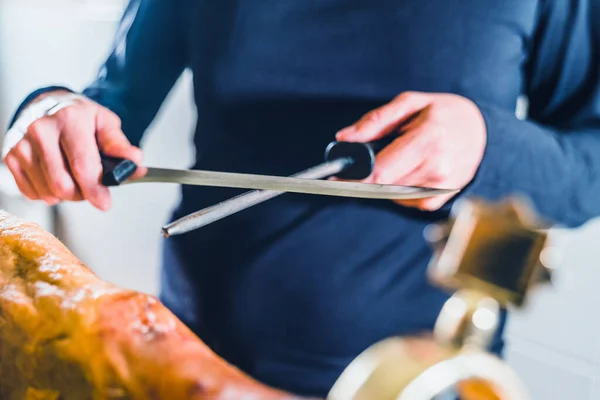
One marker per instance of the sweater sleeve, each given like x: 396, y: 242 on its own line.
x: 553, y: 157
x: 148, y: 56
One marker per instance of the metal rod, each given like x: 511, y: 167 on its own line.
x: 236, y: 204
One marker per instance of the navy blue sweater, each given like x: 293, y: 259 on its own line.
x: 291, y: 290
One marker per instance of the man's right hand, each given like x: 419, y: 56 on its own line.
x: 58, y: 158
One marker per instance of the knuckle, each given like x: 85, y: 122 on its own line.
x: 373, y: 117
x: 438, y: 130
x: 11, y: 162
x: 442, y: 170
x: 22, y: 150
x: 380, y: 177
x: 59, y: 188
x: 405, y: 96
x: 71, y: 114
x: 68, y: 113
x: 80, y: 167
x: 13, y: 165
x: 110, y: 118
x: 37, y: 130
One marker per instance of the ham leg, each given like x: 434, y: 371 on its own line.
x: 66, y: 334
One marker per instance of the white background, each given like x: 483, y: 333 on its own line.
x: 554, y: 344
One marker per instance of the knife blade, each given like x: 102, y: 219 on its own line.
x: 287, y: 184
x: 346, y: 160
x: 282, y: 184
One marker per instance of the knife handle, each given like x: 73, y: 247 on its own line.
x: 361, y: 154
x: 116, y: 170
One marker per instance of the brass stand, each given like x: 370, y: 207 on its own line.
x: 491, y: 256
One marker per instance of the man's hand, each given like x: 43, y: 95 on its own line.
x: 440, y: 147
x: 58, y: 158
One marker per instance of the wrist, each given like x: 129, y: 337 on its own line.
x: 36, y: 101
x: 53, y: 93
x: 34, y: 95
x: 43, y: 105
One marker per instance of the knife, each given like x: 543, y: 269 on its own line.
x: 352, y: 161
x: 345, y: 160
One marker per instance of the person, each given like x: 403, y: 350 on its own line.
x: 291, y: 290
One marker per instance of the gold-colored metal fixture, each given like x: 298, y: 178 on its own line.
x: 490, y: 256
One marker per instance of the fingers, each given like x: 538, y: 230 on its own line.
x: 30, y: 173
x: 78, y: 142
x: 44, y: 138
x: 428, y: 204
x: 441, y: 146
x: 381, y: 121
x: 422, y: 177
x: 59, y: 157
x: 412, y: 160
x: 397, y: 161
x: 21, y: 179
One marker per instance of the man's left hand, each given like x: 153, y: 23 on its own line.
x: 440, y: 147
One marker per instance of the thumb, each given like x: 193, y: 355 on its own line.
x: 113, y: 142
x: 383, y: 120
x: 111, y: 139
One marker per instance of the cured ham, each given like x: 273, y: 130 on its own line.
x: 67, y: 334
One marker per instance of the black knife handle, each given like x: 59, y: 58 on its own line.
x: 116, y: 170
x: 362, y: 155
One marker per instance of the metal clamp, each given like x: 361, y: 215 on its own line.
x: 491, y: 256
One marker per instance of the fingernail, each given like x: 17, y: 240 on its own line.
x: 52, y: 202
x: 141, y: 171
x: 139, y: 155
x: 105, y: 205
x: 67, y: 183
x: 101, y: 202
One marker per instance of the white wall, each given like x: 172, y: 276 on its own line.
x: 42, y: 41
x: 45, y: 42
x: 64, y: 42
x: 554, y: 344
